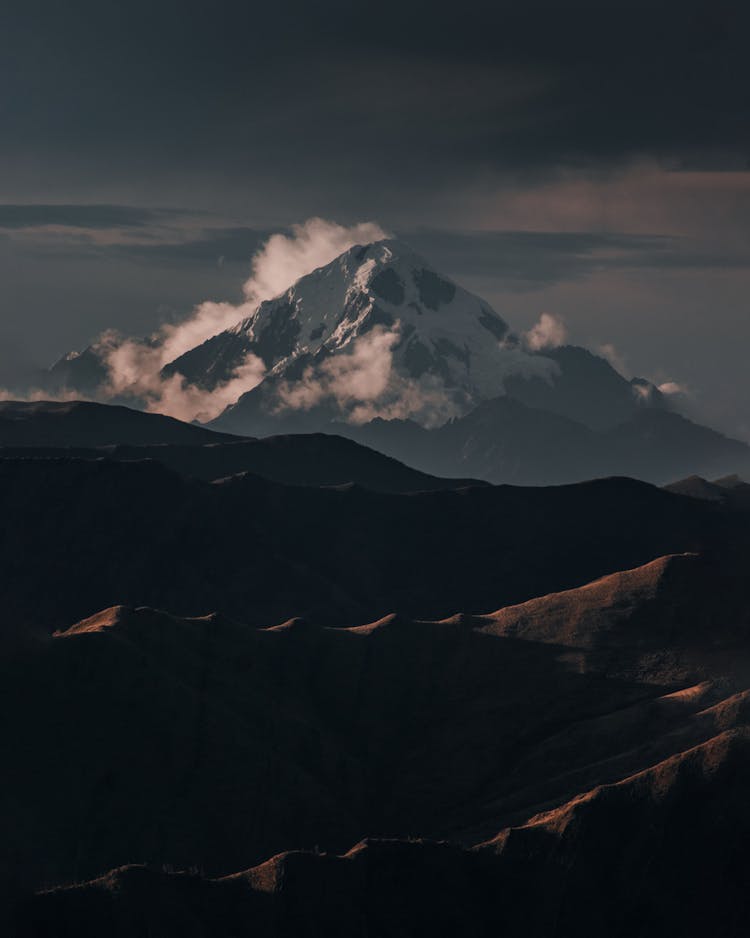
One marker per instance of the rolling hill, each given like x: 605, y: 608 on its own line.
x: 98, y: 533
x: 87, y: 423
x: 407, y: 777
x: 303, y: 459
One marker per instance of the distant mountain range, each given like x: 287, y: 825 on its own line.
x: 505, y: 441
x: 100, y: 532
x: 442, y: 352
x: 380, y: 347
x: 87, y: 431
x: 730, y: 491
x: 291, y: 687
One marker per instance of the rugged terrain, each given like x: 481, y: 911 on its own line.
x: 87, y: 423
x: 262, y: 703
x: 379, y: 346
x: 98, y: 533
x: 505, y: 441
x: 589, y: 749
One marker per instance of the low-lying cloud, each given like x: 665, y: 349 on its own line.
x: 135, y: 366
x: 285, y: 258
x: 548, y: 332
x: 614, y: 357
x: 19, y: 216
x: 674, y: 389
x: 362, y: 384
x: 357, y: 385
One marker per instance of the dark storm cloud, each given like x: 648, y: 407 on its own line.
x: 524, y: 259
x: 224, y: 245
x: 137, y: 235
x: 528, y: 259
x: 590, y: 142
x: 537, y: 258
x: 419, y: 89
x: 531, y: 259
x: 520, y: 259
x: 76, y: 216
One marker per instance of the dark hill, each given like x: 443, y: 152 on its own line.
x: 85, y: 423
x: 679, y: 867
x: 203, y: 744
x: 312, y: 459
x: 97, y: 533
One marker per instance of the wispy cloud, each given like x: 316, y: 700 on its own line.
x: 527, y: 260
x: 362, y: 384
x: 549, y: 331
x: 18, y: 216
x: 135, y: 366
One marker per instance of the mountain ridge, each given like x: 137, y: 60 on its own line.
x: 87, y: 423
x: 506, y: 441
x: 378, y: 346
x: 310, y: 459
x: 656, y: 751
x: 420, y: 885
x: 440, y: 351
x: 341, y: 554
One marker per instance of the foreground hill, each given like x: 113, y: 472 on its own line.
x: 85, y: 423
x: 303, y: 459
x: 553, y: 745
x: 80, y: 535
x: 557, y: 876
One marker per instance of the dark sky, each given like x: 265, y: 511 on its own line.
x: 585, y: 159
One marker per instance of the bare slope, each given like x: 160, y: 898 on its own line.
x: 81, y: 535
x: 85, y: 423
x: 208, y: 745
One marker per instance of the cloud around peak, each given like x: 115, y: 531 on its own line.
x: 548, y: 332
x: 134, y: 366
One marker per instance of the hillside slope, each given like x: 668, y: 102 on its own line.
x: 545, y: 769
x: 303, y: 459
x: 98, y: 533
x: 86, y: 423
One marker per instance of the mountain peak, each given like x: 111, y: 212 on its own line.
x: 376, y: 332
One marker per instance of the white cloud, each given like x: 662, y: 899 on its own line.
x: 672, y: 388
x: 548, y: 332
x: 37, y: 394
x: 134, y: 365
x: 363, y: 384
x: 615, y: 359
x: 283, y: 259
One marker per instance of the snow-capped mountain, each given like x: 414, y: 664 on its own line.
x: 379, y: 316
x: 377, y: 332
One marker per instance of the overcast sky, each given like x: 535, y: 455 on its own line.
x: 589, y: 159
